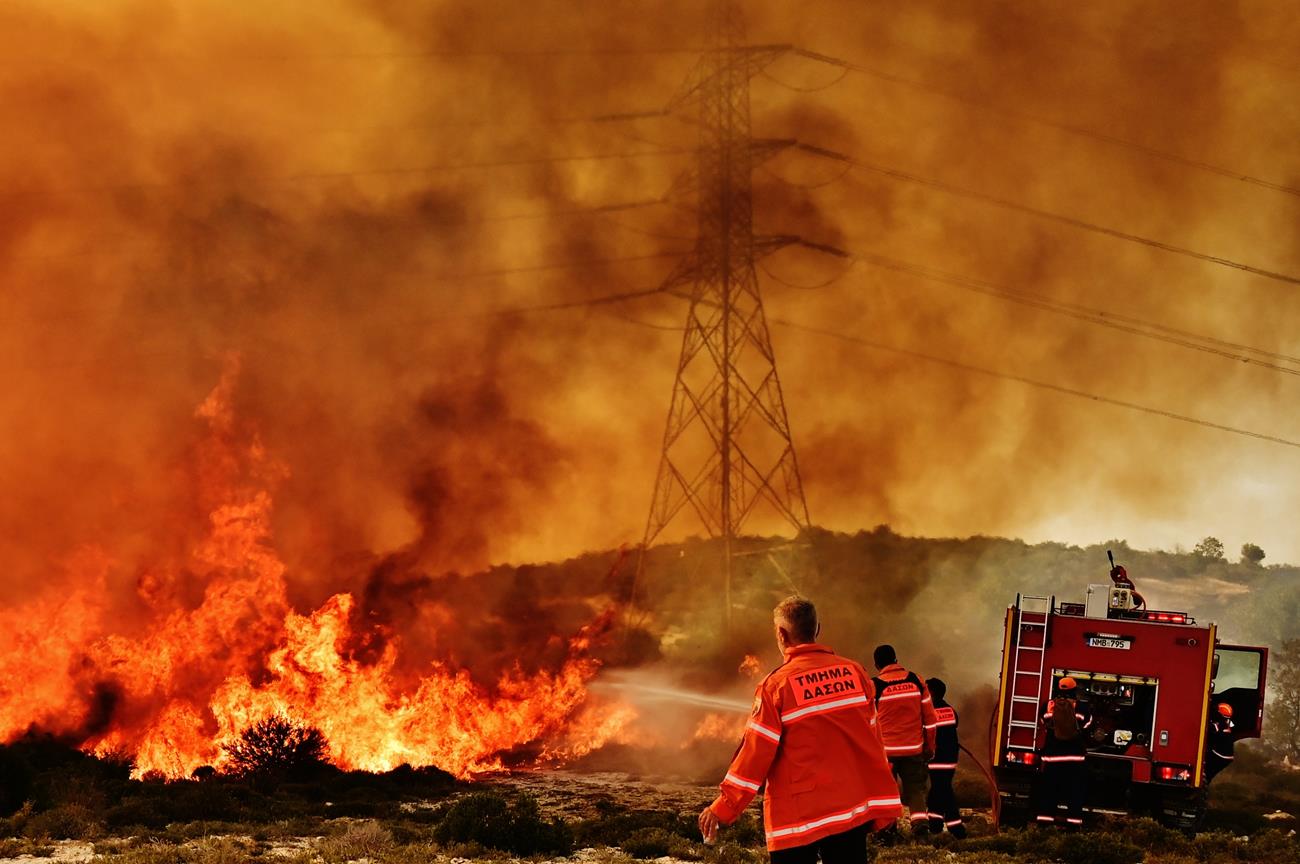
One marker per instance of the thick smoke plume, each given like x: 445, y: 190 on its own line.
x: 333, y: 197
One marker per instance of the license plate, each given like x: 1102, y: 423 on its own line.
x: 1109, y: 642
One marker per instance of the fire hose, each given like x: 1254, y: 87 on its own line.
x: 995, y: 800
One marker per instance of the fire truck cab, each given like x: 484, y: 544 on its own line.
x: 1151, y: 679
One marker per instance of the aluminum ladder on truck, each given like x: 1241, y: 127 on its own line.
x: 1028, y: 657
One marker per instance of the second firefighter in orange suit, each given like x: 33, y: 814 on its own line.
x: 812, y: 740
x: 907, y: 726
x: 1063, y: 757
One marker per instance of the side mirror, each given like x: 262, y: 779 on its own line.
x: 1214, y: 669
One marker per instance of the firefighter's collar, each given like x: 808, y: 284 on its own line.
x: 807, y: 648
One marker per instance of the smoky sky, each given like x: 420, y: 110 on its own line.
x: 345, y: 198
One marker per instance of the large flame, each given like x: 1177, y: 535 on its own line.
x: 175, y: 689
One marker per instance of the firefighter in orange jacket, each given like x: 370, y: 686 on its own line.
x: 813, y: 740
x: 907, y: 726
x: 1064, y: 777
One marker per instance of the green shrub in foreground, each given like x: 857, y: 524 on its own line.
x: 656, y: 843
x: 488, y: 819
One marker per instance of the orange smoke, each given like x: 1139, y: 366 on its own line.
x: 191, y: 679
x: 718, y: 727
x: 750, y: 667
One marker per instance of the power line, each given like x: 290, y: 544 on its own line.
x: 601, y: 210
x: 310, y: 176
x: 952, y: 189
x: 1123, y: 323
x: 348, y: 56
x: 598, y: 301
x: 1032, y: 382
x: 1091, y: 315
x: 802, y: 89
x: 1106, y: 138
x: 471, y: 275
x: 1008, y: 376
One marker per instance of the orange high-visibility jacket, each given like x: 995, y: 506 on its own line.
x: 812, y: 739
x: 907, y: 718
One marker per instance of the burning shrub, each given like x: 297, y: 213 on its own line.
x: 277, y: 746
x: 358, y: 840
x: 489, y: 820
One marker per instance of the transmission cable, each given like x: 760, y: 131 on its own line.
x: 1131, y: 325
x: 1123, y: 323
x: 1070, y: 128
x: 821, y: 184
x: 952, y: 189
x: 464, y: 276
x: 814, y: 287
x: 600, y: 210
x: 804, y: 89
x: 1032, y: 382
x: 309, y: 176
x: 1021, y: 379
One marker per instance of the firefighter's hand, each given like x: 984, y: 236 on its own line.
x: 927, y: 754
x: 709, y: 825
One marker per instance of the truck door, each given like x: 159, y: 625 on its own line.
x: 1239, y: 677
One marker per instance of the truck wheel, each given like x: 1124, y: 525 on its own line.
x: 1182, y: 810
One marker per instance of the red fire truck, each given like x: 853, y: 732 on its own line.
x: 1151, y: 679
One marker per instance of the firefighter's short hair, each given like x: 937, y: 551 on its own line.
x: 798, y: 617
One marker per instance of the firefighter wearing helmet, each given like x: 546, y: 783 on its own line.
x: 1220, y: 742
x: 1063, y: 781
x: 813, y: 741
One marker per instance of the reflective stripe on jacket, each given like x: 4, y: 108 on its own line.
x: 907, y: 719
x: 813, y: 741
x: 1222, y: 741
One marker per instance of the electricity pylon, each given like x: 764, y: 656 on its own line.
x: 727, y: 448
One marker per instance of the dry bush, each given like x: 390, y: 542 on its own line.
x: 656, y: 843
x: 218, y: 851
x: 358, y: 840
x: 13, y: 847
x: 277, y: 746
x: 410, y: 853
x: 65, y: 822
x: 153, y: 853
x: 734, y: 853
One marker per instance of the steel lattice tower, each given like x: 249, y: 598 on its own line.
x: 727, y: 448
